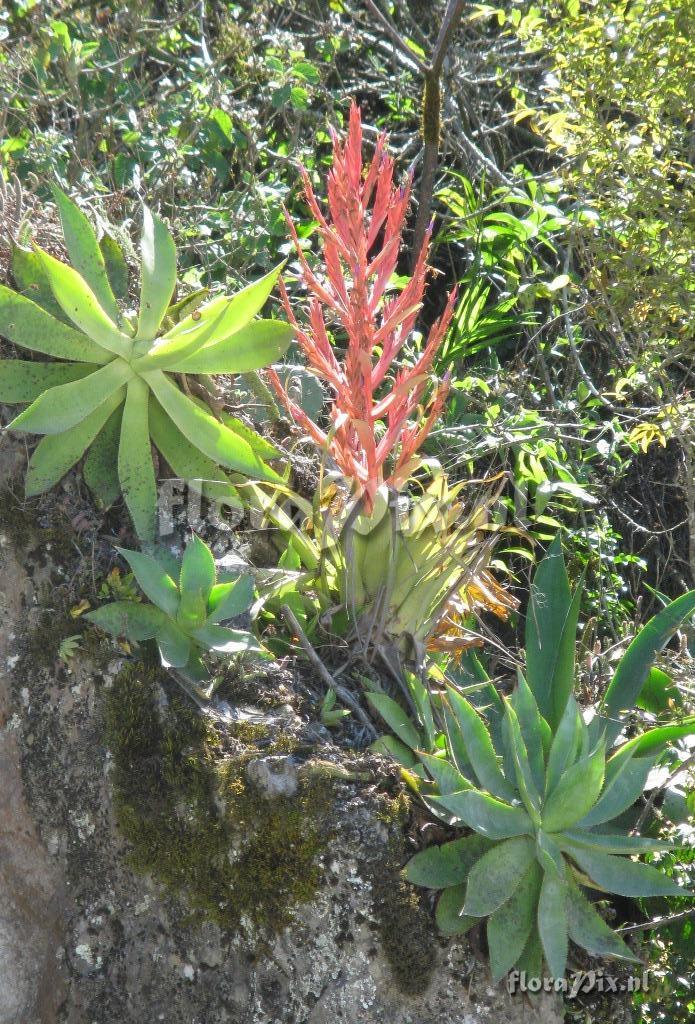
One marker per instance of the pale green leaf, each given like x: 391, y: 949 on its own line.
x: 23, y: 380
x: 135, y: 468
x: 238, y: 309
x: 197, y: 578
x: 158, y: 274
x: 174, y: 646
x: 216, y: 321
x: 201, y: 473
x: 211, y: 437
x: 63, y: 406
x: 80, y: 303
x: 27, y: 325
x: 228, y: 600
x: 153, y: 580
x: 57, y: 453
x: 223, y: 640
x: 259, y: 344
x: 447, y: 777
x: 100, y: 469
x: 85, y: 253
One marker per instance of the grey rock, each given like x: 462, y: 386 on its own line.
x: 85, y: 939
x: 275, y: 776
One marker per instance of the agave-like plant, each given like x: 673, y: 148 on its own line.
x: 188, y: 611
x: 115, y: 384
x: 541, y: 789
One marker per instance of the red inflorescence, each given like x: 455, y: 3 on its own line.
x: 361, y: 235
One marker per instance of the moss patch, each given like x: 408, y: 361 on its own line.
x: 182, y: 801
x: 404, y: 923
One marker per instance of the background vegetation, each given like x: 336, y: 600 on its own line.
x: 561, y: 206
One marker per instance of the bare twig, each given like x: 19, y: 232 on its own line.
x: 658, y: 922
x: 341, y: 692
x: 431, y: 104
x: 395, y: 36
x: 431, y: 120
x: 678, y: 770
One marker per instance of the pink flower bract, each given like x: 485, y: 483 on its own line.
x: 361, y: 235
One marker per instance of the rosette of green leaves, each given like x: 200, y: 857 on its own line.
x: 188, y: 611
x: 113, y: 386
x: 542, y: 790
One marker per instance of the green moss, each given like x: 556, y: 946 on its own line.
x: 42, y: 642
x: 14, y: 521
x: 183, y: 803
x: 18, y: 522
x: 404, y: 923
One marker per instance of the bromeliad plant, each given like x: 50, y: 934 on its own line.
x: 413, y: 572
x: 189, y: 609
x: 396, y: 567
x: 119, y: 380
x: 541, y: 789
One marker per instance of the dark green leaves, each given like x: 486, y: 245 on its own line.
x: 633, y: 669
x: 439, y: 867
x: 622, y: 876
x: 576, y: 792
x: 552, y: 921
x: 589, y: 930
x: 551, y: 629
x: 485, y: 814
x: 479, y: 748
x: 496, y: 875
x: 396, y: 718
x: 509, y: 927
x: 23, y: 381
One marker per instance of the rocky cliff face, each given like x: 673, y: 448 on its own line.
x: 160, y: 865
